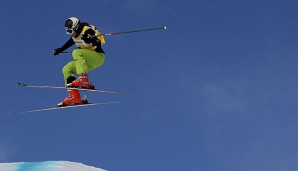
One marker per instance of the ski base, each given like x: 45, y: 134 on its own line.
x: 70, y: 88
x: 64, y: 107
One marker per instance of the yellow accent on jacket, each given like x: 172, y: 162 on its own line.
x: 81, y: 44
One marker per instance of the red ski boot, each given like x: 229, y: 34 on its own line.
x: 74, y: 98
x: 81, y: 82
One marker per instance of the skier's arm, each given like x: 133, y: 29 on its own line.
x: 67, y: 45
x: 89, y: 37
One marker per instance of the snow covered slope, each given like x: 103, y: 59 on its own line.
x: 47, y: 166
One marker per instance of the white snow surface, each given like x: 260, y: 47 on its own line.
x: 47, y: 166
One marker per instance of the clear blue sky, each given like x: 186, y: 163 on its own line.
x: 217, y: 91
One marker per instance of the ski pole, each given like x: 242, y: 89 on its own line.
x: 133, y: 31
x: 65, y: 52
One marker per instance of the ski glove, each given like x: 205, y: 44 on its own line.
x: 57, y: 51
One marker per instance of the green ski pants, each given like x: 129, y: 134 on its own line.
x: 84, y: 61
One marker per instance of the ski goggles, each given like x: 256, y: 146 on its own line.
x: 69, y: 31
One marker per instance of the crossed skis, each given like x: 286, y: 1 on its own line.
x: 72, y: 106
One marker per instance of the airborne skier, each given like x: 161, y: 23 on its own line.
x: 88, y: 56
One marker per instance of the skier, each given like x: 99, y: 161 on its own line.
x: 88, y: 56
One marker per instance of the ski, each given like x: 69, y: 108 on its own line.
x: 70, y: 88
x: 65, y: 107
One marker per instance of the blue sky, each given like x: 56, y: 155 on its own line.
x: 216, y: 91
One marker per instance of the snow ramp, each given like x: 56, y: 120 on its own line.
x: 47, y: 166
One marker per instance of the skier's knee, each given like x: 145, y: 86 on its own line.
x: 65, y: 70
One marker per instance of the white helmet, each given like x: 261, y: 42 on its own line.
x: 71, y: 25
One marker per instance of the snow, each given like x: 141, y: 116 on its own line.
x: 47, y: 166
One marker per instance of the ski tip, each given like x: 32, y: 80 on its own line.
x: 21, y: 84
x: 121, y: 93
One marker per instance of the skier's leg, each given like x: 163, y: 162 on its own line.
x: 85, y: 60
x: 69, y: 71
x: 74, y: 97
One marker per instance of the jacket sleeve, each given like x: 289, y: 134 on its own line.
x: 67, y: 45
